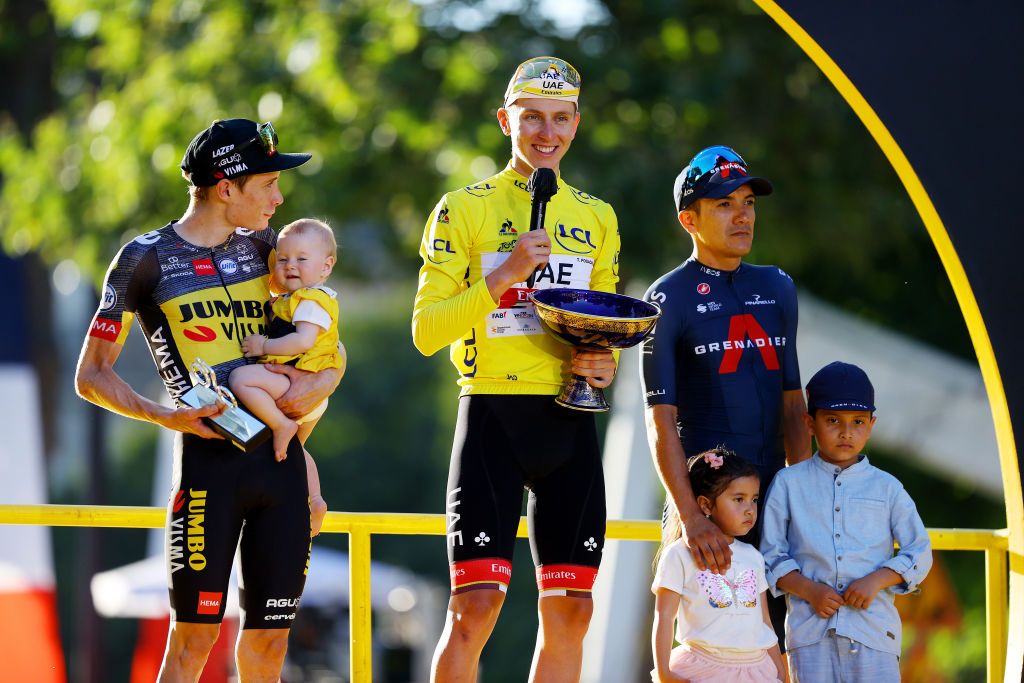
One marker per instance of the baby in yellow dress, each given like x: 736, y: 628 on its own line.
x: 303, y: 332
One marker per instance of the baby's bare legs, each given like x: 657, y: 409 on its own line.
x: 259, y: 389
x: 317, y: 504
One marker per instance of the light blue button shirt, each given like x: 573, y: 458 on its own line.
x: 835, y: 526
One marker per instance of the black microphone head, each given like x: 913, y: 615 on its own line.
x: 543, y: 184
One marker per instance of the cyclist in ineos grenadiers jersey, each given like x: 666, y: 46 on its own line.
x: 198, y: 287
x: 721, y: 367
x: 478, y: 254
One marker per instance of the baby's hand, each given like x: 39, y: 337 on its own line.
x: 824, y: 600
x: 252, y: 345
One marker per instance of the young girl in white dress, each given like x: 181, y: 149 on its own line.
x: 721, y: 621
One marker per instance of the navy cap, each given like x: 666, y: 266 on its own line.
x: 230, y: 148
x: 840, y: 386
x: 713, y: 173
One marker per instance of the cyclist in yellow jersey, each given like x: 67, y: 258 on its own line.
x: 478, y: 255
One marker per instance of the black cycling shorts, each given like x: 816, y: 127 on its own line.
x: 219, y: 493
x: 503, y: 444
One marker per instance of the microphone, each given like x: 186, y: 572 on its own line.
x: 542, y: 186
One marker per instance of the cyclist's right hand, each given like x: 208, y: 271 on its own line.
x: 190, y: 420
x: 531, y: 252
x: 708, y: 545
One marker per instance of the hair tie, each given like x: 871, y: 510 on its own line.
x: 714, y: 460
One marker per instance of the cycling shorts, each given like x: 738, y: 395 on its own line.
x: 504, y: 443
x: 218, y: 494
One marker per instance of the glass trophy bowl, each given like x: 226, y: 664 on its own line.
x: 593, y: 321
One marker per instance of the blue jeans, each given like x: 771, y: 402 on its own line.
x: 837, y: 659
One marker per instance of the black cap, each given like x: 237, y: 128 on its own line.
x: 713, y: 173
x: 230, y: 148
x: 840, y: 386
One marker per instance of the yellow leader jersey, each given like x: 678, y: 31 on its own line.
x: 500, y: 347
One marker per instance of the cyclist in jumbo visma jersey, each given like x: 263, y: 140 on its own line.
x: 198, y: 287
x: 478, y: 255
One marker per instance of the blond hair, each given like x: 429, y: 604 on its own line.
x: 312, y: 226
x: 202, y: 192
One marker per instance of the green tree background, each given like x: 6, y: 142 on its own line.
x: 396, y: 101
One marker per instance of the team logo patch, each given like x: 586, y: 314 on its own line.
x: 574, y: 240
x: 481, y: 189
x: 442, y: 215
x: 105, y: 329
x: 441, y: 251
x: 209, y: 603
x: 203, y: 266
x: 199, y: 333
x: 109, y: 298
x: 704, y: 288
x: 151, y: 237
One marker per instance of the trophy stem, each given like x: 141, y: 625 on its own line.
x: 579, y: 395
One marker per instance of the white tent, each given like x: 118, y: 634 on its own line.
x: 139, y: 590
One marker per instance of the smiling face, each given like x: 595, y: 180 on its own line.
x: 722, y: 229
x: 253, y: 206
x: 303, y: 260
x: 541, y: 131
x: 841, y: 434
x: 734, y: 510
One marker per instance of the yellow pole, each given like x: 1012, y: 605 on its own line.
x: 360, y: 525
x: 359, y: 605
x: 996, y: 604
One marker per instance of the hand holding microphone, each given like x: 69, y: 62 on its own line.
x: 542, y: 187
x: 532, y: 248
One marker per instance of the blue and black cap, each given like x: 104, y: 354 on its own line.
x: 840, y: 386
x: 713, y: 173
x: 230, y: 148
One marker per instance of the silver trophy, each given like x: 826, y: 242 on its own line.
x: 235, y: 423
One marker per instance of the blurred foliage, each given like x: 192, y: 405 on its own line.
x: 396, y: 100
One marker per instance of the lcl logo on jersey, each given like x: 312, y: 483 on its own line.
x: 574, y: 240
x: 439, y: 249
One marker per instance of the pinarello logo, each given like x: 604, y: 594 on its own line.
x: 703, y: 288
x: 199, y: 333
x: 179, y: 500
x: 204, y: 266
x: 209, y: 603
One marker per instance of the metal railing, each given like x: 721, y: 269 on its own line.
x: 360, y: 526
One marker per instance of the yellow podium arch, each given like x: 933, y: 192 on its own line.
x: 976, y: 323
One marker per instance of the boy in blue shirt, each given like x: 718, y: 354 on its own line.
x: 829, y: 527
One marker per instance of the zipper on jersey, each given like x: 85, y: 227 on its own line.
x: 748, y: 359
x: 231, y: 302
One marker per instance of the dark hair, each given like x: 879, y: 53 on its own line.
x: 707, y: 481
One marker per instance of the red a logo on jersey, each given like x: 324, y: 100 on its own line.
x: 741, y: 328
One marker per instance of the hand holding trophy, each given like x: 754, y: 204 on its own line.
x: 235, y: 423
x: 597, y: 321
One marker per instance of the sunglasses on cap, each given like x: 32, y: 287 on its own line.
x: 709, y: 162
x: 711, y: 172
x: 266, y: 136
x: 544, y: 77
